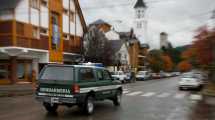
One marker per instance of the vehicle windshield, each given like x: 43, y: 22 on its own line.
x: 57, y: 73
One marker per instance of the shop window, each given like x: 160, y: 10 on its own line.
x: 4, y: 73
x: 21, y: 71
x: 35, y: 4
x: 36, y: 33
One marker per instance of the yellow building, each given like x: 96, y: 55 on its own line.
x: 37, y: 32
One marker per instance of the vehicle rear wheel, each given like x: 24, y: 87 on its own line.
x: 52, y: 108
x: 117, y: 98
x: 89, y: 105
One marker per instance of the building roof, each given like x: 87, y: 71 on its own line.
x: 99, y: 22
x: 140, y: 4
x: 80, y: 13
x: 116, y: 45
x: 144, y: 45
x: 6, y: 5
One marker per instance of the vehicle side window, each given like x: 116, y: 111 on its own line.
x: 100, y: 75
x: 106, y: 75
x: 86, y: 74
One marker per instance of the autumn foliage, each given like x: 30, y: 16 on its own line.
x: 184, y: 66
x: 168, y: 64
x: 200, y: 52
x: 159, y: 61
x: 205, y: 41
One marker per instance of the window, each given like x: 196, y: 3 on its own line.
x: 21, y: 71
x: 36, y: 33
x: 65, y: 36
x: 72, y: 16
x: 139, y: 25
x: 106, y: 75
x: 55, y: 31
x: 138, y: 14
x: 86, y: 74
x: 57, y: 73
x: 66, y: 12
x: 35, y: 4
x: 100, y: 75
x: 43, y: 31
x: 44, y: 3
x: 4, y: 74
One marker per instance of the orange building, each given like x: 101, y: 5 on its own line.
x: 38, y: 32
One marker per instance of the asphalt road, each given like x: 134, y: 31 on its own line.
x: 147, y: 100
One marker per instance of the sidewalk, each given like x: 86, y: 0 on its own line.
x: 19, y: 89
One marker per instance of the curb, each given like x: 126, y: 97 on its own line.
x: 15, y: 94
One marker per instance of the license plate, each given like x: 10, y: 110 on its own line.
x: 54, y: 100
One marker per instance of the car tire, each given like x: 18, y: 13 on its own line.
x: 117, y: 98
x: 88, y: 106
x: 50, y: 108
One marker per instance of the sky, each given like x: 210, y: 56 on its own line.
x: 178, y: 18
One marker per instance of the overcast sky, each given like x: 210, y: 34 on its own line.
x: 179, y: 18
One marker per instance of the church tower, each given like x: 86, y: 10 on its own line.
x: 140, y: 23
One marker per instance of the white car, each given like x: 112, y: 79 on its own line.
x: 119, y: 75
x: 143, y: 75
x: 189, y: 81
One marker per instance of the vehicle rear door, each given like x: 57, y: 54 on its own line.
x: 87, y: 80
x: 56, y: 81
x: 104, y: 83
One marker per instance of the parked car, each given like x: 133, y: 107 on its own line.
x: 76, y: 85
x: 156, y: 76
x: 143, y: 75
x: 176, y: 73
x: 189, y: 81
x: 119, y: 75
x: 128, y: 76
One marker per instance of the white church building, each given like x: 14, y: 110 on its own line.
x: 140, y: 22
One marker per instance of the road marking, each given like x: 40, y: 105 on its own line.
x: 195, y: 97
x: 134, y: 93
x: 163, y: 95
x: 180, y: 95
x: 126, y: 91
x: 149, y: 94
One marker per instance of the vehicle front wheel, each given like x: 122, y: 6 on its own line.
x: 89, y: 105
x: 50, y: 108
x: 117, y: 98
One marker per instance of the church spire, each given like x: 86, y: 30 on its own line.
x: 140, y: 4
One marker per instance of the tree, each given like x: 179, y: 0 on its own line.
x: 174, y: 54
x: 190, y: 55
x: 184, y: 66
x: 204, y: 42
x: 168, y: 64
x: 96, y: 46
x: 155, y: 60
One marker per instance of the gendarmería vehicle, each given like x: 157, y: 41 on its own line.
x: 76, y: 85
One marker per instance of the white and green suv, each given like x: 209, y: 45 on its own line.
x: 76, y: 85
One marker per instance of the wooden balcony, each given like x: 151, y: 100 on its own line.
x: 72, y: 46
x: 22, y: 37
